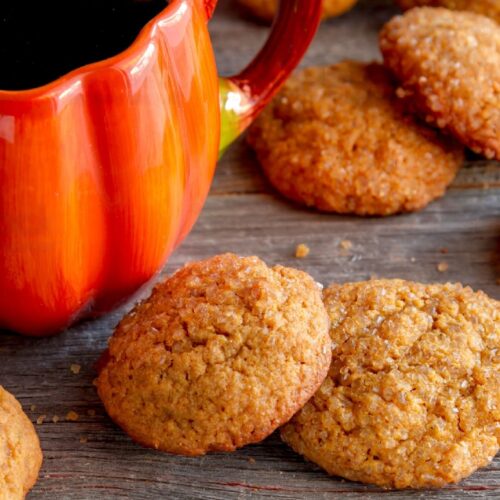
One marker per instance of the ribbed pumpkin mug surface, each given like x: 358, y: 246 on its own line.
x: 105, y: 170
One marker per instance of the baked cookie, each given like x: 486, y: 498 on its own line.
x: 490, y: 8
x: 20, y: 453
x: 412, y: 398
x: 448, y: 63
x: 266, y: 9
x: 223, y: 353
x: 338, y: 139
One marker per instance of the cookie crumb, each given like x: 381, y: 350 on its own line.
x: 442, y: 267
x: 55, y: 419
x: 72, y: 416
x: 251, y: 460
x: 402, y: 93
x: 32, y: 407
x: 444, y: 250
x: 75, y: 369
x: 302, y: 251
x: 345, y: 245
x: 41, y: 419
x: 83, y: 440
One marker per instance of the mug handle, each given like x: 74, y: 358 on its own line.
x: 243, y: 96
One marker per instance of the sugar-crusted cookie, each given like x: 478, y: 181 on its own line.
x: 490, y: 8
x: 20, y: 453
x: 222, y: 353
x: 448, y: 63
x: 338, y: 139
x: 412, y: 398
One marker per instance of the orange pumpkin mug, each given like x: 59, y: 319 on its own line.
x: 104, y: 171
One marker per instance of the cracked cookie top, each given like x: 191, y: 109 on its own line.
x: 223, y: 352
x: 412, y: 397
x: 20, y: 453
x: 337, y: 138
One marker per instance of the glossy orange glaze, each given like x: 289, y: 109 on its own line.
x: 104, y: 171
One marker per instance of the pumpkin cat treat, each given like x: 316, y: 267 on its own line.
x: 266, y: 9
x: 223, y: 353
x: 490, y: 8
x: 412, y: 398
x: 448, y: 64
x: 338, y: 139
x: 20, y: 453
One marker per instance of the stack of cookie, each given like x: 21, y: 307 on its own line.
x: 388, y: 382
x: 373, y: 139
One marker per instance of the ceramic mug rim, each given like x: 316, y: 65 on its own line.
x: 175, y: 9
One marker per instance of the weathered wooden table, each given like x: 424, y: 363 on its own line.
x: 91, y: 458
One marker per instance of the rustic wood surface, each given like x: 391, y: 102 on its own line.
x: 91, y: 458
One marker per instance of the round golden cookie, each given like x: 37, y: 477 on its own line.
x: 20, y: 453
x: 411, y: 399
x: 223, y: 353
x: 338, y: 139
x: 266, y: 9
x: 448, y: 63
x: 490, y: 8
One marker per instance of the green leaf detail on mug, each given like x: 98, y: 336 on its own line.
x: 236, y: 113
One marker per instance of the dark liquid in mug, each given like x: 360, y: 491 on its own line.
x: 41, y: 40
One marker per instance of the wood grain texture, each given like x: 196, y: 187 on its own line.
x: 91, y: 458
